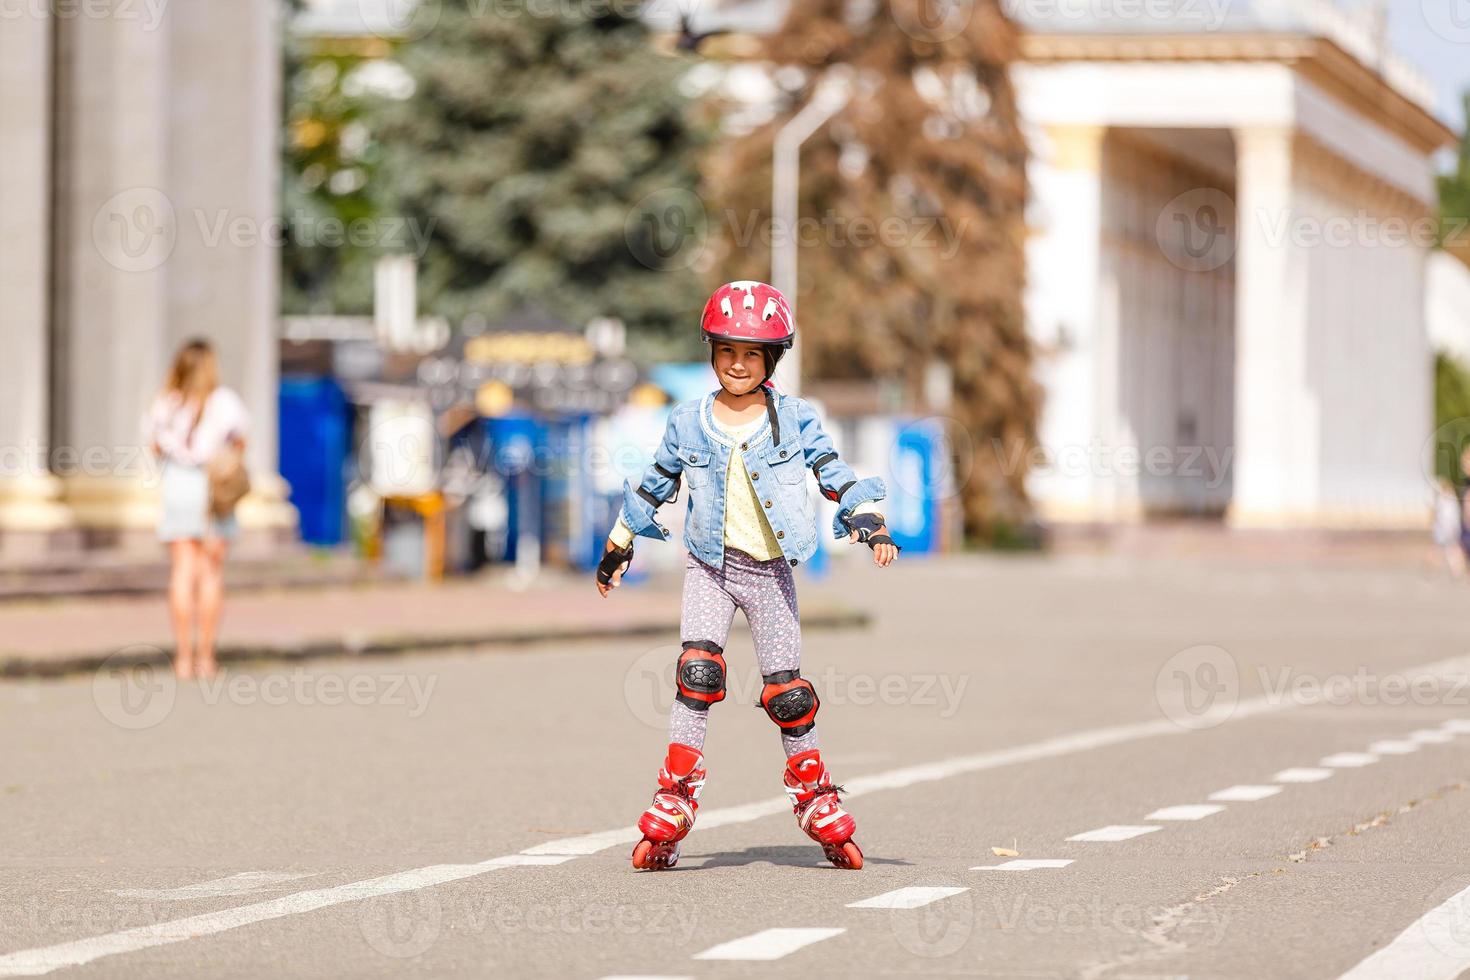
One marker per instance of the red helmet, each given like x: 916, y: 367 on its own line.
x: 748, y: 312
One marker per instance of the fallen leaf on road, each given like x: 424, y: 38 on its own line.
x: 1005, y: 852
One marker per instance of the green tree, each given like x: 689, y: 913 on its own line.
x: 1454, y: 199
x: 913, y: 200
x: 535, y: 137
x: 329, y: 179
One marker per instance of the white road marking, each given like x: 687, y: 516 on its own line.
x: 244, y: 883
x: 34, y: 962
x: 1112, y: 833
x: 1185, y: 811
x: 1460, y: 726
x: 642, y: 976
x: 1302, y: 775
x: 913, y: 897
x: 1434, y: 947
x: 1431, y: 736
x: 768, y: 944
x: 1244, y: 794
x: 1349, y: 760
x: 1394, y: 746
x: 1026, y: 864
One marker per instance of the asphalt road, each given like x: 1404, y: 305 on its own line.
x: 470, y: 814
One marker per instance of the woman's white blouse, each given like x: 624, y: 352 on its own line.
x: 168, y: 420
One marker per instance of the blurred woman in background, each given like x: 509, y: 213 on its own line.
x: 191, y: 421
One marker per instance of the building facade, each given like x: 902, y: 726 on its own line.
x: 139, y: 194
x: 1227, y: 272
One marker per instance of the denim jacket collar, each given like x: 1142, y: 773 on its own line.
x: 716, y: 434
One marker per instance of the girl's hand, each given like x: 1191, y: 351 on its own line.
x: 614, y: 579
x: 883, y: 553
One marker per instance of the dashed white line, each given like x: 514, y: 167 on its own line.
x: 1185, y: 811
x: 1394, y: 746
x: 1349, y: 760
x: 1431, y: 736
x: 768, y: 944
x: 1113, y: 833
x: 1434, y: 947
x: 1026, y: 864
x: 1244, y: 793
x: 913, y: 897
x: 1302, y: 775
x: 1460, y: 726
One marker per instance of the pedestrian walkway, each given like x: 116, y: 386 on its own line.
x: 81, y: 633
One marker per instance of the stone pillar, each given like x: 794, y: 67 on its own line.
x: 29, y: 508
x: 116, y: 229
x: 1072, y: 303
x: 224, y: 163
x: 1277, y: 416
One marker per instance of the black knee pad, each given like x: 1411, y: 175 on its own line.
x: 791, y: 701
x: 700, y: 674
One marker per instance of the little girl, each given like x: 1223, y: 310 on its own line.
x: 745, y: 450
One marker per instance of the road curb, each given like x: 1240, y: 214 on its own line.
x: 21, y: 665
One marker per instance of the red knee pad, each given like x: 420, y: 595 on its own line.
x: 700, y: 674
x: 791, y: 701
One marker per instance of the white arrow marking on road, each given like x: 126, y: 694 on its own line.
x: 1112, y: 833
x: 1302, y: 775
x: 1186, y: 811
x: 1349, y: 760
x: 1244, y: 794
x: 1434, y: 947
x: 913, y: 897
x: 768, y: 944
x: 244, y: 883
x: 1026, y: 864
x: 1394, y: 747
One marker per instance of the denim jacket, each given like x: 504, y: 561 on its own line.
x: 695, y: 451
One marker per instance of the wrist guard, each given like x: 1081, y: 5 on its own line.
x: 610, y: 562
x: 866, y: 526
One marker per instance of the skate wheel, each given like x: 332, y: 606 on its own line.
x: 655, y: 855
x: 846, y: 856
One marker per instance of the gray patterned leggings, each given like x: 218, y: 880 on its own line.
x: 766, y: 591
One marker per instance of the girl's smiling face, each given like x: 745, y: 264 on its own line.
x: 740, y: 366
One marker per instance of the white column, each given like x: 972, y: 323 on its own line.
x: 1276, y: 414
x: 117, y: 230
x: 28, y: 493
x: 1069, y: 299
x: 224, y: 165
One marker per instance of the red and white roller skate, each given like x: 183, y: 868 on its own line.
x: 670, y: 816
x: 818, y: 811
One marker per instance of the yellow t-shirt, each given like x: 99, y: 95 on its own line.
x: 746, y: 527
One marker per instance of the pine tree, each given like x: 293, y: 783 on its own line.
x: 931, y: 142
x: 536, y: 135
